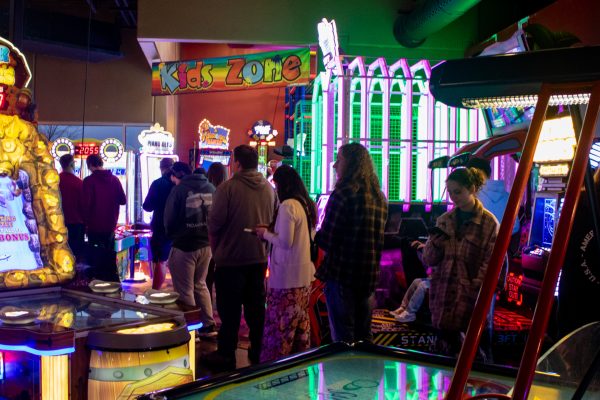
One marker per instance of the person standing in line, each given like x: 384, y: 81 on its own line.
x: 186, y: 218
x: 240, y: 203
x: 102, y: 196
x: 352, y: 235
x: 216, y: 174
x: 155, y: 201
x: 458, y: 255
x: 291, y: 271
x: 71, y: 193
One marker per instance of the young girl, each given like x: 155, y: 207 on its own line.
x: 287, y: 327
x: 459, y: 252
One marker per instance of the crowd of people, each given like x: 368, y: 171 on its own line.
x: 208, y: 228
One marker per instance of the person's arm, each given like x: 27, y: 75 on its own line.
x: 334, y: 223
x: 121, y: 198
x: 217, y: 217
x: 171, y: 217
x: 433, y: 251
x: 150, y: 200
x: 489, y: 245
x: 86, y: 201
x: 283, y: 236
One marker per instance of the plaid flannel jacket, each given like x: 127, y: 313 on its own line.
x: 352, y: 237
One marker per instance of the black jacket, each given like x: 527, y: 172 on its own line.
x: 155, y: 202
x: 186, y: 213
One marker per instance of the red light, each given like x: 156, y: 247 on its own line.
x: 1, y: 101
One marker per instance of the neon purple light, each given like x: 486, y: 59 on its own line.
x: 405, y: 207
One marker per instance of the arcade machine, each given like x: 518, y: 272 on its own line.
x: 213, y: 146
x: 262, y: 136
x: 122, y: 164
x: 57, y: 343
x: 156, y: 145
x: 554, y: 153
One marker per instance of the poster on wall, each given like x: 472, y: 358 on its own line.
x: 19, y: 243
x: 248, y: 71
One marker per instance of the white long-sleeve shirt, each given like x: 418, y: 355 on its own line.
x: 290, y: 265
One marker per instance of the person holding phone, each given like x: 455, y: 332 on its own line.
x: 458, y: 254
x: 291, y: 271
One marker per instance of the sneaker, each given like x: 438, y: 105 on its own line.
x: 218, y: 361
x: 209, y: 331
x: 405, y: 316
x: 397, y: 311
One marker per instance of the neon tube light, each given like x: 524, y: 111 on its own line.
x: 31, y: 350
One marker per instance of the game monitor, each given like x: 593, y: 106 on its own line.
x: 545, y: 216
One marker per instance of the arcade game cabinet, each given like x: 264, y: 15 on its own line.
x: 213, y: 146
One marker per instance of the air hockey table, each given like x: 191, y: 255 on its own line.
x: 342, y: 371
x: 568, y: 370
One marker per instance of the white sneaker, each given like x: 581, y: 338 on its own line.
x: 397, y: 311
x: 405, y: 316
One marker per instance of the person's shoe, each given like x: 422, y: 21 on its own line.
x: 218, y: 361
x: 405, y: 317
x: 209, y: 331
x: 397, y: 311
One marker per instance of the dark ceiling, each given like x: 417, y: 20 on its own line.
x: 91, y: 29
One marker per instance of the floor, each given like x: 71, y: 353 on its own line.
x: 205, y: 345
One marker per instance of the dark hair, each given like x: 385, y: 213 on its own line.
x: 290, y: 186
x: 200, y: 171
x: 217, y: 173
x: 166, y: 163
x: 468, y: 177
x: 66, y: 160
x: 180, y: 169
x: 246, y: 155
x: 482, y: 164
x: 360, y: 172
x: 94, y: 160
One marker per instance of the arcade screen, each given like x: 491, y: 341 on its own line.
x: 544, y: 220
x: 209, y: 156
x: 321, y: 205
x: 19, y: 243
x: 504, y: 120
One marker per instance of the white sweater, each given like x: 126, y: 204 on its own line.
x: 290, y: 265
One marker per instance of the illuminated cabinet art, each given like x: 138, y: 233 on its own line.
x: 391, y: 111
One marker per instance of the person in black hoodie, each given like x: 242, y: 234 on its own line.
x: 155, y: 202
x: 186, y: 216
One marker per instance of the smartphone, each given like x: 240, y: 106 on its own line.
x: 437, y: 231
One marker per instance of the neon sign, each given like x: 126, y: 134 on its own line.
x: 262, y: 133
x: 557, y: 141
x: 156, y: 140
x: 329, y: 43
x: 249, y: 71
x: 213, y: 136
x: 513, y: 288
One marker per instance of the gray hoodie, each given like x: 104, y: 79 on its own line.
x: 244, y: 201
x: 494, y: 198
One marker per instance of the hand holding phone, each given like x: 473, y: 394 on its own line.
x: 436, y: 231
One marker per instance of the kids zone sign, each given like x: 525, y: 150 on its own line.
x: 250, y: 71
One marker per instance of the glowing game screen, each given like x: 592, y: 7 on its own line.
x: 545, y: 217
x: 19, y: 243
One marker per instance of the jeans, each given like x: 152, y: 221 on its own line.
x: 102, y: 256
x: 349, y: 313
x: 413, y: 299
x: 237, y: 286
x: 188, y: 272
x: 76, y: 239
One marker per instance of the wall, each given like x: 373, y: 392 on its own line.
x: 236, y: 110
x: 117, y: 91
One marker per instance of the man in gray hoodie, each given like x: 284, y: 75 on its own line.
x: 185, y: 219
x: 240, y: 204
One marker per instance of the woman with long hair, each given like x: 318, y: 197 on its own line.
x: 458, y: 252
x: 287, y: 326
x: 352, y: 237
x: 216, y: 174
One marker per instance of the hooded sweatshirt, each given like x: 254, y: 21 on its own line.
x: 244, y: 201
x: 102, y: 196
x: 494, y: 198
x: 186, y: 213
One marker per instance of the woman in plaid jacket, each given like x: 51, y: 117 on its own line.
x: 459, y: 252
